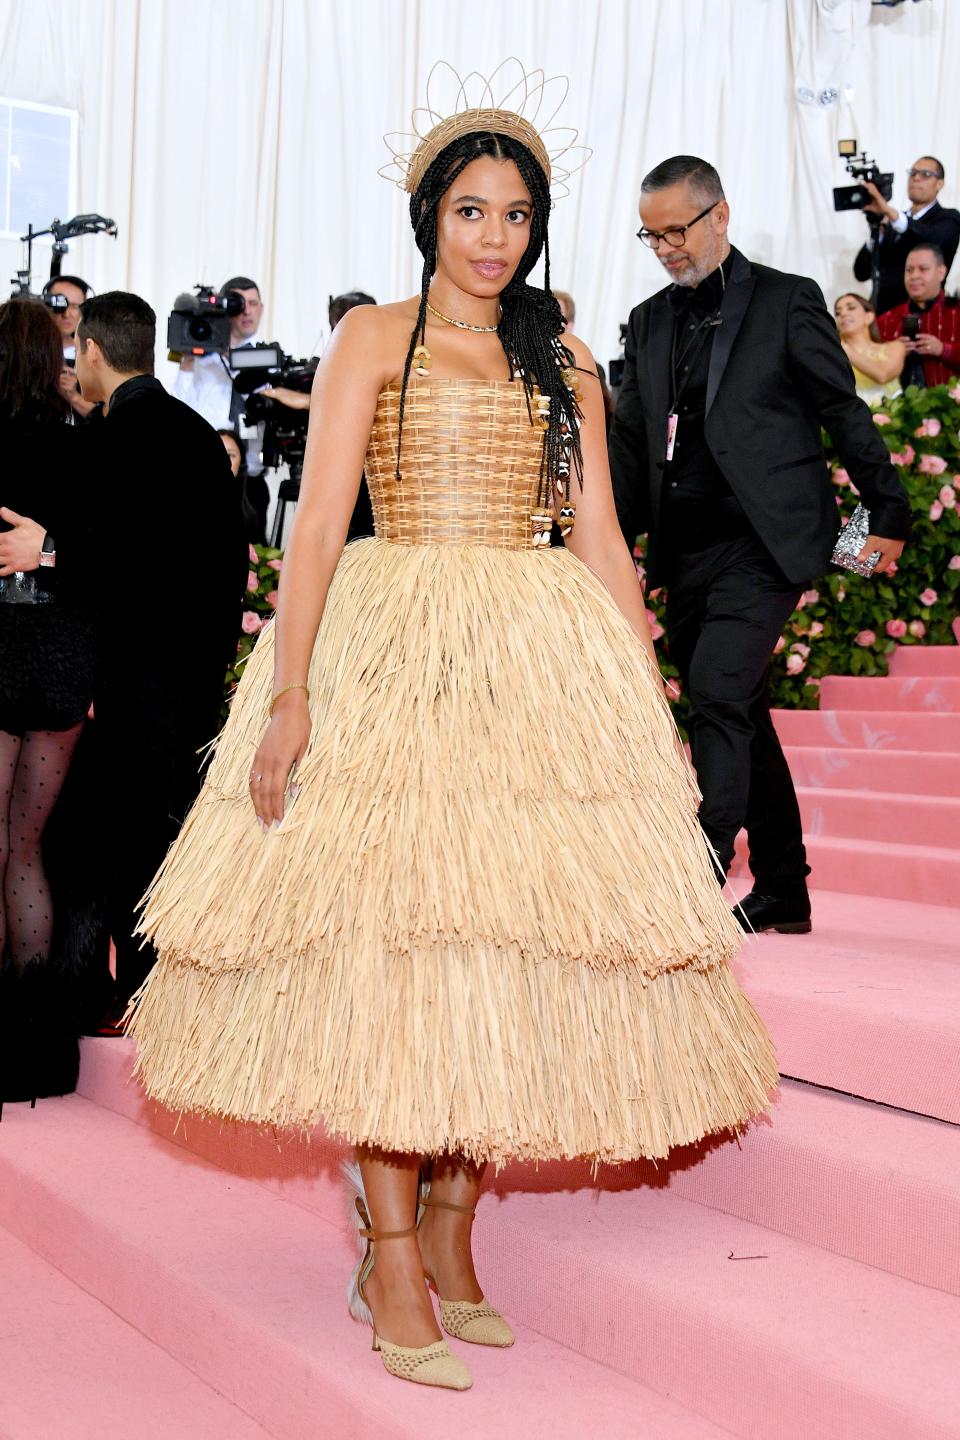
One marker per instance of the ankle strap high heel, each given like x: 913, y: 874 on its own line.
x: 477, y: 1322
x: 425, y: 1364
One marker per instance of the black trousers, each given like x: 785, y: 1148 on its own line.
x: 727, y: 604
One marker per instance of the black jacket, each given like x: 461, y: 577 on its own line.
x: 938, y: 226
x: 777, y: 374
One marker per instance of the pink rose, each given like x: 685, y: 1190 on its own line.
x: 954, y: 562
x: 656, y: 630
x: 813, y: 680
x: 795, y: 663
x: 906, y: 456
x: 932, y: 464
x: 816, y: 628
x: 865, y: 638
x: 881, y: 419
x: 896, y: 629
x: 252, y: 555
x: 252, y: 580
x: 936, y: 510
x: 251, y: 623
x: 948, y: 497
x: 928, y: 596
x: 840, y: 476
x: 955, y: 394
x: 273, y: 597
x: 799, y: 649
x: 931, y: 426
x: 841, y: 593
x: 810, y: 597
x: 892, y: 568
x: 779, y: 645
x: 275, y: 564
x: 917, y: 628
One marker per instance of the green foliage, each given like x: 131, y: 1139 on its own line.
x: 258, y: 608
x: 830, y: 633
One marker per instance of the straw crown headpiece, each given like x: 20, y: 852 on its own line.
x: 509, y: 102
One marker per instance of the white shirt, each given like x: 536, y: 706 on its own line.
x: 208, y: 389
x: 899, y: 226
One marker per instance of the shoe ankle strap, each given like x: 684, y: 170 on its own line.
x: 448, y: 1205
x: 367, y: 1231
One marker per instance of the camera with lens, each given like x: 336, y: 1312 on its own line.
x: 285, y: 429
x: 861, y: 167
x: 200, y: 322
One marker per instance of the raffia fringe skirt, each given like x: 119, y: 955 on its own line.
x: 490, y: 922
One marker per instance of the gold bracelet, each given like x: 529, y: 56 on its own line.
x: 297, y: 685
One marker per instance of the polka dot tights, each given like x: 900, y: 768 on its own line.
x: 32, y: 771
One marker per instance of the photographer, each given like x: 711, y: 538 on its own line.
x: 928, y: 324
x: 75, y: 291
x: 896, y: 232
x: 205, y: 382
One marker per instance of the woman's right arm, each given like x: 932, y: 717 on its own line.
x: 342, y: 406
x: 881, y: 362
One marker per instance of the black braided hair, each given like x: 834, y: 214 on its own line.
x: 531, y: 321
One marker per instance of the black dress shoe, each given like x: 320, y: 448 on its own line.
x: 787, y: 914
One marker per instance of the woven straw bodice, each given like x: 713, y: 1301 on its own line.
x: 470, y: 464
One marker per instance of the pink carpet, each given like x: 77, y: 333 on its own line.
x: 187, y: 1280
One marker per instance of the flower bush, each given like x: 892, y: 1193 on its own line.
x: 849, y: 625
x: 259, y: 602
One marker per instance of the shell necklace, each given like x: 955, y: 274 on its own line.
x: 463, y: 324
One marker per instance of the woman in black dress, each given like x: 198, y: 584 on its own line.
x: 46, y: 682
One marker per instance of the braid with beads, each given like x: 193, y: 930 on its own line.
x: 530, y: 321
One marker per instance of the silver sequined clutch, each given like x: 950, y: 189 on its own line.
x: 851, y: 541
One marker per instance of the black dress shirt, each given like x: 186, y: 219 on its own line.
x: 699, y: 505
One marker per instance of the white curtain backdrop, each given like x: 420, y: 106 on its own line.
x: 229, y: 136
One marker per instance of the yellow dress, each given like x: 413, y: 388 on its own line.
x: 489, y: 923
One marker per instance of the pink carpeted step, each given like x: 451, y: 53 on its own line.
x: 249, y: 1293
x: 72, y: 1370
x: 903, y: 819
x: 769, y: 1337
x: 925, y: 660
x: 926, y: 694
x: 907, y: 772
x: 927, y: 874
x: 869, y: 729
x: 869, y: 1003
x: 876, y: 1185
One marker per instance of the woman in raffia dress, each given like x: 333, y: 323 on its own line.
x: 482, y: 922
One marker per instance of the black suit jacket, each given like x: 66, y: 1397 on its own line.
x: 165, y: 565
x: 777, y: 374
x: 938, y: 226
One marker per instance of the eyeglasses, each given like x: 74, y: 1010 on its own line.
x: 677, y: 237
x: 924, y: 174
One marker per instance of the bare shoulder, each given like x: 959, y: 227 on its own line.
x: 582, y: 355
x: 375, y: 337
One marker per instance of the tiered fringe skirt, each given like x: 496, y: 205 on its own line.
x: 489, y: 923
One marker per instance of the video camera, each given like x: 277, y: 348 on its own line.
x: 855, y: 197
x: 200, y: 323
x: 285, y: 429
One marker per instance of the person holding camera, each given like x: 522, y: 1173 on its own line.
x: 896, y: 232
x: 205, y: 382
x: 927, y: 325
x: 46, y: 684
x: 74, y: 291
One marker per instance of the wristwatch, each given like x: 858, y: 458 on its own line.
x: 48, y: 551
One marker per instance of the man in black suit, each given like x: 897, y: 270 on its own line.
x: 716, y: 455
x: 894, y: 233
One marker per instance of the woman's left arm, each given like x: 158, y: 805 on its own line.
x: 596, y: 538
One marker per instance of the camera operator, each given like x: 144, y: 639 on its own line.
x: 205, y: 382
x: 928, y: 324
x: 361, y: 521
x: 898, y: 231
x: 75, y: 291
